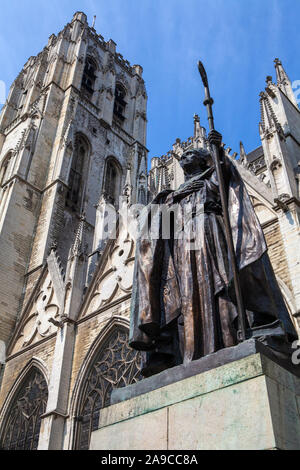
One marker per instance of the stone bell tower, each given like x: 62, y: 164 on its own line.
x: 72, y: 139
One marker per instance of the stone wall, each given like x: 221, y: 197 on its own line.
x: 277, y: 252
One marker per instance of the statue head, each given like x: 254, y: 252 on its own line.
x: 195, y: 161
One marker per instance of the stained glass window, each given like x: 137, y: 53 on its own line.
x: 21, y: 427
x: 115, y: 366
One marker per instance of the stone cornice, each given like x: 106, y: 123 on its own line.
x: 288, y: 202
x: 18, y: 177
x: 104, y: 308
x: 56, y: 414
x: 32, y: 346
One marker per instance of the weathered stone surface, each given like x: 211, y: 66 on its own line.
x: 193, y: 368
x: 247, y: 404
x: 188, y: 388
x: 237, y: 417
x: 285, y: 415
x: 148, y: 432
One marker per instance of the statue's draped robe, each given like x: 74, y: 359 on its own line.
x: 193, y: 288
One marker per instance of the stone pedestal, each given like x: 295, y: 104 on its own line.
x: 249, y: 403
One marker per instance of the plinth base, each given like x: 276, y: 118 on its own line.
x: 250, y: 403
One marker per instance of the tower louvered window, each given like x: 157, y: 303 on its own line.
x: 115, y: 366
x: 89, y: 76
x: 142, y: 196
x: 21, y: 428
x: 120, y: 103
x: 112, y: 181
x: 76, y: 173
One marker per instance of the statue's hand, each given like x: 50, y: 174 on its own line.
x: 215, y: 138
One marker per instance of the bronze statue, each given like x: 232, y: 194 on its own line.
x: 184, y: 304
x: 209, y: 283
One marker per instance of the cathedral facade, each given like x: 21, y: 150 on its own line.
x: 72, y: 151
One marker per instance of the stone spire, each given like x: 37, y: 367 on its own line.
x: 275, y: 129
x: 163, y: 179
x: 283, y: 82
x: 127, y: 190
x: 269, y: 121
x: 197, y: 127
x: 243, y: 155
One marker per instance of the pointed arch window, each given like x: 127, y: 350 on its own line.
x: 142, y: 196
x: 23, y: 98
x: 4, y: 168
x: 112, y: 181
x: 80, y: 155
x: 89, y: 76
x: 21, y: 428
x: 114, y: 366
x: 120, y: 103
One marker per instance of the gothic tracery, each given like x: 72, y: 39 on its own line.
x: 115, y: 366
x: 21, y: 428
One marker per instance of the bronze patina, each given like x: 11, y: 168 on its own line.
x: 206, y: 283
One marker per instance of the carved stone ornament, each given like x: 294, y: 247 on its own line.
x: 117, y: 278
x: 110, y: 65
x: 284, y: 197
x: 93, y: 52
x: 37, y: 323
x: 121, y: 78
x: 276, y: 164
x: 257, y: 165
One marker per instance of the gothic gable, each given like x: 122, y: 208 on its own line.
x: 41, y: 314
x: 114, y: 277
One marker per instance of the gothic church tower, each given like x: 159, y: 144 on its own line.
x: 72, y: 141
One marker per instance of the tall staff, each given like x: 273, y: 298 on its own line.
x: 208, y: 102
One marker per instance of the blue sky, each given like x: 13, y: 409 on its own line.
x: 236, y: 39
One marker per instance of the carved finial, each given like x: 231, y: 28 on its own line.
x: 94, y: 21
x: 268, y: 79
x: 197, y: 129
x: 284, y: 83
x: 243, y: 155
